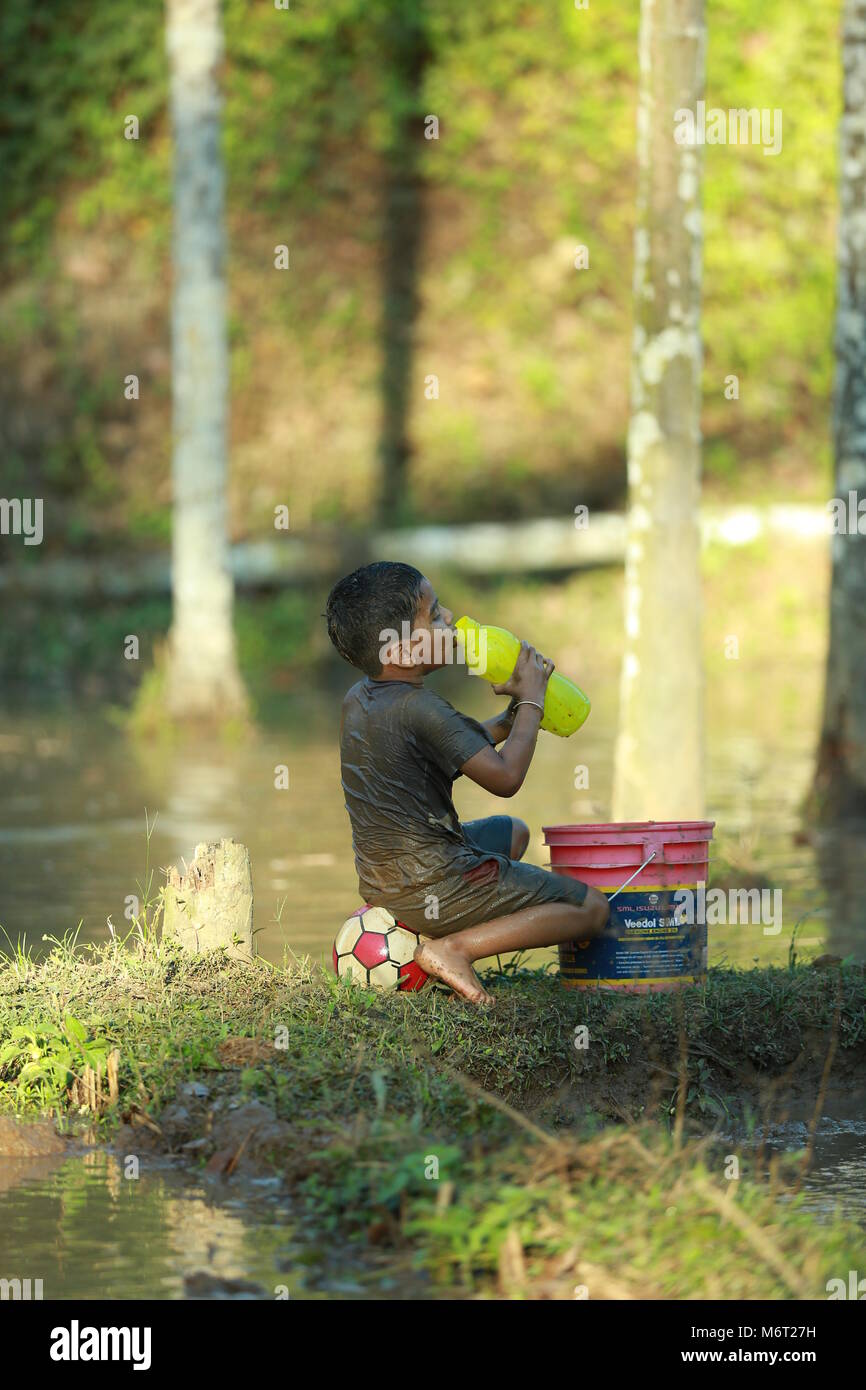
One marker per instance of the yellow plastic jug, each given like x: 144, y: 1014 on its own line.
x: 491, y: 652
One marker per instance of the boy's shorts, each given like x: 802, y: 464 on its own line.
x: 496, y: 887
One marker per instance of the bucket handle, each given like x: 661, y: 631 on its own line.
x: 648, y: 860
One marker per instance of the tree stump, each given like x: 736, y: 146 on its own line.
x: 210, y: 906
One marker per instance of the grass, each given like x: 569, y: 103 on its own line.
x: 467, y: 1147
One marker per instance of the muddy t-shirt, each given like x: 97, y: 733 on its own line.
x: 401, y: 746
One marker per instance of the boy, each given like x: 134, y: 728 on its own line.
x: 401, y: 746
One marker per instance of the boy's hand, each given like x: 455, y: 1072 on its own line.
x: 528, y: 680
x: 503, y: 772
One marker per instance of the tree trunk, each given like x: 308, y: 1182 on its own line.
x: 203, y: 679
x: 402, y: 234
x: 659, y: 754
x: 841, y: 776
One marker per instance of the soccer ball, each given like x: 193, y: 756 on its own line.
x: 374, y: 949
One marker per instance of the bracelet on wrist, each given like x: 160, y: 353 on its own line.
x: 534, y: 703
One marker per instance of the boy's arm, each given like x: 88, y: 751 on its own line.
x: 499, y: 727
x: 502, y: 771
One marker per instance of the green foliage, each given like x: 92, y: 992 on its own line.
x: 44, y: 1058
x: 51, y: 650
x: 274, y: 636
x: 69, y: 77
x: 536, y: 154
x: 57, y: 649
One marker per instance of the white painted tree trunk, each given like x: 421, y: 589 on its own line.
x: 659, y: 754
x: 842, y: 756
x: 203, y: 679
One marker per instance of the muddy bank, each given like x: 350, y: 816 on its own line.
x: 211, y: 1119
x: 229, y: 1064
x: 728, y: 1093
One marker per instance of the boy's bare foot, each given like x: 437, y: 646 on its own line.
x: 449, y: 965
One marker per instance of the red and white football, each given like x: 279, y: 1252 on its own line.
x: 374, y: 949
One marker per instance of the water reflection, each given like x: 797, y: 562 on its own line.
x: 835, y: 1184
x: 88, y: 1231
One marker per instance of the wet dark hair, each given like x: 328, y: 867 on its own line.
x: 367, y: 602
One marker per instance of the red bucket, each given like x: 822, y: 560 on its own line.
x: 646, y: 867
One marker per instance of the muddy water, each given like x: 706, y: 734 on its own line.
x: 836, y: 1179
x: 87, y: 1230
x: 75, y: 792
